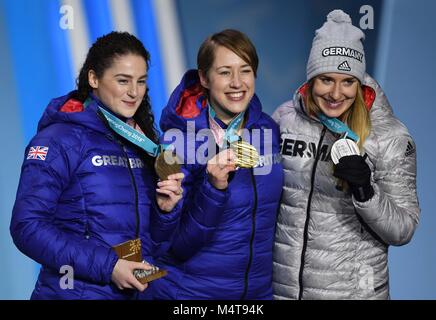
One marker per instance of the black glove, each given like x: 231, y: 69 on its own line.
x: 357, y: 173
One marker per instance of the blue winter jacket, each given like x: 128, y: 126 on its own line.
x: 220, y: 245
x: 83, y: 191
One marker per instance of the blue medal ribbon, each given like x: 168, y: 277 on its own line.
x: 337, y: 126
x: 137, y: 138
x: 134, y: 136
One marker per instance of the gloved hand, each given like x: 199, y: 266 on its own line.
x: 357, y: 173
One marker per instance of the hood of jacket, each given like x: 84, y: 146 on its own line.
x: 65, y: 109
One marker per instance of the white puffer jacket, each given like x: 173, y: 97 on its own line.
x: 328, y: 245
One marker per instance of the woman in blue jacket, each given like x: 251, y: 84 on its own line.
x: 220, y: 245
x: 85, y: 188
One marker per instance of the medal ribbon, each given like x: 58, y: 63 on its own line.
x: 337, y: 126
x: 137, y: 138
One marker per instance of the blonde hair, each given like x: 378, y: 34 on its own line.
x: 356, y: 117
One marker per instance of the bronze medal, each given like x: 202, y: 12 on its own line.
x: 167, y: 163
x: 246, y: 155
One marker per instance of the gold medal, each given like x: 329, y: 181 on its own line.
x: 246, y: 155
x: 167, y: 163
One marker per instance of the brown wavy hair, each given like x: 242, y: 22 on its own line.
x: 100, y: 57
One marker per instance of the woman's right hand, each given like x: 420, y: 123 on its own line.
x: 169, y: 192
x: 219, y: 167
x: 123, y: 277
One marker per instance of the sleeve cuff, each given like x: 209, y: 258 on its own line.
x: 219, y: 195
x: 164, y: 215
x: 209, y: 204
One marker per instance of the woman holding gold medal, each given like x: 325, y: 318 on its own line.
x: 220, y: 245
x: 350, y: 176
x: 87, y: 188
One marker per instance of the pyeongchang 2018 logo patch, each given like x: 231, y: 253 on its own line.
x: 343, y: 52
x: 37, y: 153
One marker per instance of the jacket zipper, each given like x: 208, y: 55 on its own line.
x: 132, y: 177
x: 253, y: 230
x: 306, y: 224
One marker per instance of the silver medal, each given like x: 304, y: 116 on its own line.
x: 342, y: 148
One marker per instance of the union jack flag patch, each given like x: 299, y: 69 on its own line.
x: 37, y: 153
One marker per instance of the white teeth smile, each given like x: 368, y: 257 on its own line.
x: 236, y: 95
x: 334, y: 104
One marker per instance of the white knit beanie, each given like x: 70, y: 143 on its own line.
x: 337, y: 47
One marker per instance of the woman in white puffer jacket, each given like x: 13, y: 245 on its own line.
x: 338, y: 218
